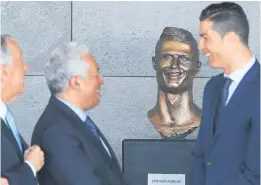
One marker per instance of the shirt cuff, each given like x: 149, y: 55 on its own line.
x: 32, y: 167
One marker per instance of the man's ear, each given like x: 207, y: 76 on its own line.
x: 229, y: 38
x: 154, y: 63
x: 74, y: 83
x: 199, y: 64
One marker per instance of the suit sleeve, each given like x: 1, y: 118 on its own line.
x: 249, y: 173
x: 21, y: 174
x: 66, y: 159
x: 198, y: 171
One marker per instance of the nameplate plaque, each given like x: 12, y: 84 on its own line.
x: 166, y: 179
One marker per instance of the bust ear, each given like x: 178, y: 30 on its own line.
x: 154, y: 63
x: 199, y: 64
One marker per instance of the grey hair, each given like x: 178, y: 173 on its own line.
x: 6, y: 57
x: 64, y: 63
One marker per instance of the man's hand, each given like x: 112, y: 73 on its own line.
x: 35, y: 156
x: 4, y: 181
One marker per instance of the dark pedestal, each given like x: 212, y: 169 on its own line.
x: 143, y: 156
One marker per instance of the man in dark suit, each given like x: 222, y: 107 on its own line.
x: 77, y: 153
x: 227, y: 150
x: 19, y: 163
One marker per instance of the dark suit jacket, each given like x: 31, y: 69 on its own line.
x: 232, y: 155
x: 73, y: 155
x: 12, y: 161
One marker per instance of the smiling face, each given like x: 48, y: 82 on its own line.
x: 174, y: 66
x: 213, y: 45
x: 92, y: 83
x: 87, y: 89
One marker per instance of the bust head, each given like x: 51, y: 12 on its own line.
x: 176, y: 60
x: 176, y: 63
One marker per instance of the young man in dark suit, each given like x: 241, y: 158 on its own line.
x: 227, y: 150
x: 77, y: 153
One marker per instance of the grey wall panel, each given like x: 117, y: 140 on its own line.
x: 123, y: 35
x: 38, y: 27
x: 28, y: 107
x: 122, y: 113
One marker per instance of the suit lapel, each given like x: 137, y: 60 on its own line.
x: 213, y: 108
x: 105, y: 140
x: 79, y: 125
x: 214, y: 102
x: 24, y: 144
x: 87, y: 133
x: 106, y: 143
x: 238, y: 97
x: 114, y: 161
x: 9, y: 135
x: 114, y: 158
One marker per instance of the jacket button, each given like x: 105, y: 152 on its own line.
x: 209, y: 164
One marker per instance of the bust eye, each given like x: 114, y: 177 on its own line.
x: 184, y: 59
x: 168, y: 57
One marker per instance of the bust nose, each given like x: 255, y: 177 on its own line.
x: 174, y: 63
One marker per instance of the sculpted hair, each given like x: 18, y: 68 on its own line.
x: 6, y: 57
x: 181, y: 35
x: 227, y: 17
x: 64, y: 63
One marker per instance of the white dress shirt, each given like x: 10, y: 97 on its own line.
x: 3, y: 112
x: 237, y: 76
x: 82, y: 115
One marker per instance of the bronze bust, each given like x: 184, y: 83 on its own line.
x: 176, y: 63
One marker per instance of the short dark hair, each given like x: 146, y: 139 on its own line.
x: 227, y: 17
x: 181, y: 35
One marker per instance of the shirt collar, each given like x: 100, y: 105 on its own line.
x: 237, y: 75
x: 79, y: 112
x: 3, y: 110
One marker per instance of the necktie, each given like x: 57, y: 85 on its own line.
x: 11, y: 124
x: 91, y: 126
x: 222, y: 100
x: 224, y: 92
